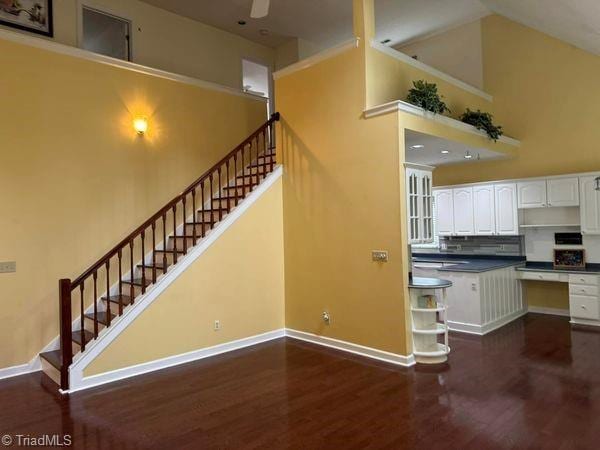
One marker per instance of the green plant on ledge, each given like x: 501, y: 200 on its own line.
x: 426, y: 96
x: 482, y: 121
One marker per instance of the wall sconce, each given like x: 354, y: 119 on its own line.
x: 140, y: 124
x: 597, y: 180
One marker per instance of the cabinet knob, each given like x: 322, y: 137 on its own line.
x: 583, y: 307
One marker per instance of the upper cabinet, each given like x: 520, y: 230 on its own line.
x: 590, y: 205
x: 444, y: 206
x: 563, y: 191
x: 484, y: 208
x: 532, y: 194
x: 552, y: 192
x: 463, y: 211
x: 507, y: 215
x: 419, y: 198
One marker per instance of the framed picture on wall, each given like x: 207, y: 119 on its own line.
x: 34, y: 16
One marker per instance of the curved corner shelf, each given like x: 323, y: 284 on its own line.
x: 439, y: 329
x: 442, y: 350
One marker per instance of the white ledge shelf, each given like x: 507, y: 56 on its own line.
x: 399, y: 105
x: 429, y: 310
x: 439, y: 329
x: 442, y: 350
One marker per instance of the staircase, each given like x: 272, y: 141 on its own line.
x: 123, y: 275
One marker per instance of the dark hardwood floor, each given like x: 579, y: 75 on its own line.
x: 532, y: 384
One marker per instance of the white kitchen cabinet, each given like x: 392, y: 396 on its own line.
x: 507, y: 216
x: 532, y: 194
x: 419, y: 197
x: 484, y: 210
x: 444, y: 206
x: 463, y: 211
x: 590, y: 205
x: 563, y: 191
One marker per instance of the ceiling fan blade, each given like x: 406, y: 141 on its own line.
x: 260, y: 8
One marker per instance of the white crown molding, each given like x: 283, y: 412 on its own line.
x: 369, y: 352
x: 317, y: 58
x: 430, y: 70
x: 67, y: 50
x: 399, y: 105
x: 175, y: 360
x: 121, y: 323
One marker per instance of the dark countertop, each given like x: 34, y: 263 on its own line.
x: 469, y: 263
x: 538, y: 266
x: 428, y: 283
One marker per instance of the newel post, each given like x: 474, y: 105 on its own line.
x: 66, y: 346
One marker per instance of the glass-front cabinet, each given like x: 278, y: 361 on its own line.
x: 419, y: 203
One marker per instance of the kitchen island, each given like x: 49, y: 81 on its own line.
x: 485, y: 293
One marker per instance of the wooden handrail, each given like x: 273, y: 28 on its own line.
x: 81, y: 278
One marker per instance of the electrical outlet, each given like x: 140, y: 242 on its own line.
x: 8, y: 267
x: 379, y: 255
x: 217, y: 325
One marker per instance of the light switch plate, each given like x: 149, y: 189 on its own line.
x: 380, y: 255
x: 8, y: 267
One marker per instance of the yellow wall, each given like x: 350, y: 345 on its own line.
x: 75, y: 179
x: 543, y: 96
x: 238, y: 281
x: 342, y: 191
x: 546, y: 294
x: 170, y: 42
x: 456, y: 52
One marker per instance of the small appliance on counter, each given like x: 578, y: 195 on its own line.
x: 569, y: 258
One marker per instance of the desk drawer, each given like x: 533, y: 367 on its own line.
x: 584, y: 307
x: 541, y: 276
x: 580, y: 289
x: 583, y: 279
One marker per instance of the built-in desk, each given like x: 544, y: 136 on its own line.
x: 584, y: 294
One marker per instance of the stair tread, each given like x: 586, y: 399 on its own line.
x: 125, y: 299
x: 137, y: 281
x: 239, y: 186
x: 102, y: 317
x: 54, y: 358
x: 87, y: 335
x: 213, y: 208
x: 181, y: 252
x: 182, y: 236
x: 201, y: 222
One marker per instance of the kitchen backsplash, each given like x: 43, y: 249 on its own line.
x: 483, y: 245
x: 539, y: 244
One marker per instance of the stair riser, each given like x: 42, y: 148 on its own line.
x: 225, y: 203
x: 209, y: 216
x: 262, y: 170
x: 240, y: 192
x: 266, y: 159
x: 190, y: 229
x: 51, y: 371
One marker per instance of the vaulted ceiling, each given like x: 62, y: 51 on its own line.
x: 327, y: 22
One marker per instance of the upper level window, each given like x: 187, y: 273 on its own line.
x: 105, y: 34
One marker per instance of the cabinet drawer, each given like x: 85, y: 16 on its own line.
x: 583, y: 279
x: 541, y: 276
x: 584, y: 307
x: 580, y: 289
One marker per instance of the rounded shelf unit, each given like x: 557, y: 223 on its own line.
x: 428, y: 312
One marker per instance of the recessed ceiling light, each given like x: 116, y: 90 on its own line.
x: 264, y: 32
x: 241, y: 22
x: 445, y: 152
x: 468, y: 155
x: 417, y: 147
x: 386, y: 41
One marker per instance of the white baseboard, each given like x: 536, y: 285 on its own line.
x: 23, y: 369
x: 480, y: 330
x: 551, y: 311
x: 357, y: 349
x: 170, y: 361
